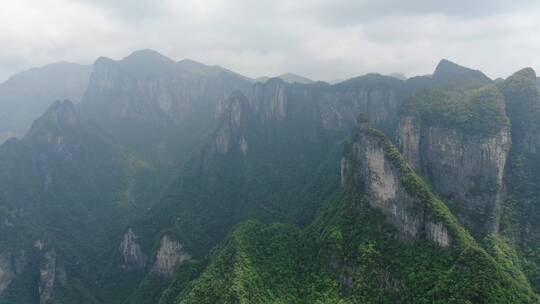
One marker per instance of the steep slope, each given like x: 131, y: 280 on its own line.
x: 268, y: 151
x: 260, y: 161
x: 67, y: 190
x: 523, y: 169
x: 449, y: 75
x: 285, y: 127
x: 460, y: 141
x: 409, y: 248
x: 149, y: 87
x: 25, y: 96
x: 161, y: 109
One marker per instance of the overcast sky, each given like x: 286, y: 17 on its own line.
x: 321, y: 39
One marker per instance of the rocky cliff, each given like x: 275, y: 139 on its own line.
x: 149, y: 87
x: 374, y: 166
x: 7, y: 271
x: 169, y: 256
x: 319, y: 107
x: 465, y: 163
x: 51, y: 274
x: 131, y: 252
x: 466, y: 169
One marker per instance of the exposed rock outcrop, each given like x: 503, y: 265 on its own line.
x: 317, y: 107
x: 466, y: 169
x: 130, y: 251
x: 523, y: 108
x: 369, y: 168
x: 51, y: 273
x: 269, y: 100
x: 170, y: 254
x: 150, y: 88
x: 231, y: 133
x: 11, y: 265
x: 7, y: 271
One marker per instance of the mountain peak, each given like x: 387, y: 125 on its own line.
x: 292, y: 78
x: 526, y: 73
x: 148, y: 54
x: 195, y: 67
x: 60, y: 114
x: 147, y: 61
x: 447, y: 68
x: 450, y: 73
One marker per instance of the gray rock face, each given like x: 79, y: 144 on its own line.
x: 131, y: 252
x: 339, y: 109
x: 380, y: 181
x: 269, y: 100
x: 47, y: 274
x: 10, y: 266
x: 230, y: 135
x: 7, y: 271
x: 465, y: 169
x: 148, y: 87
x: 52, y: 273
x: 334, y: 108
x: 523, y: 109
x: 170, y: 254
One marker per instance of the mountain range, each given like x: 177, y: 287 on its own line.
x: 161, y: 181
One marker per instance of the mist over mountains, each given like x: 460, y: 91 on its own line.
x: 150, y: 180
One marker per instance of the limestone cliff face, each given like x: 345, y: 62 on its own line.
x: 7, y: 271
x: 52, y: 273
x: 466, y: 169
x: 378, y: 177
x: 340, y: 106
x: 151, y: 88
x: 269, y: 100
x: 170, y: 254
x: 523, y: 109
x: 522, y: 174
x: 231, y: 134
x: 317, y: 107
x: 130, y: 251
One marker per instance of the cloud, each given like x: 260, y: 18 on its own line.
x: 321, y: 39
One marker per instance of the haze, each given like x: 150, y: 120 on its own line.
x: 320, y: 39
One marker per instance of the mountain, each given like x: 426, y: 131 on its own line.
x: 457, y: 136
x: 25, y: 96
x: 150, y: 88
x: 449, y: 75
x: 288, y: 77
x: 62, y: 196
x: 178, y: 182
x: 292, y: 78
x: 90, y: 174
x: 460, y: 142
x: 409, y: 248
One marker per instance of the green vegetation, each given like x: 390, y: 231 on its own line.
x: 349, y: 254
x: 476, y: 111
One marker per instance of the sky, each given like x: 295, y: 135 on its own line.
x: 320, y: 39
